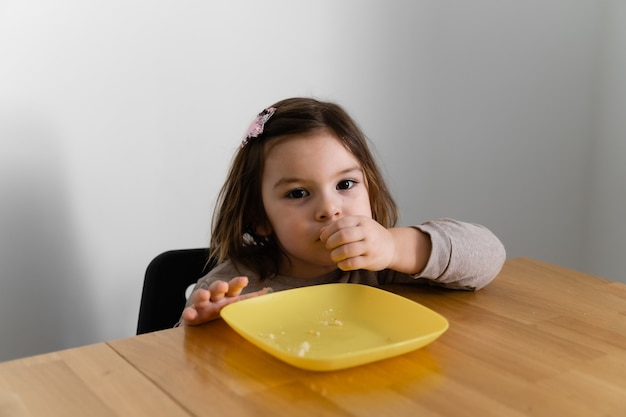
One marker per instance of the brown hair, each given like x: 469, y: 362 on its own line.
x: 240, y: 208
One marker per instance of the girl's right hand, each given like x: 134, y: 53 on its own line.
x: 207, y: 304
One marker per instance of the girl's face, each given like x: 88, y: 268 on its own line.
x: 309, y: 182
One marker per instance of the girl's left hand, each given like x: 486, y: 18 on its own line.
x: 359, y: 242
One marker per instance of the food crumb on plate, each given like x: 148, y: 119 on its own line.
x: 303, y: 348
x: 332, y: 322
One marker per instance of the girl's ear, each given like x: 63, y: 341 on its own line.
x: 264, y: 229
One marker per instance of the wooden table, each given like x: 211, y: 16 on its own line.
x: 540, y: 340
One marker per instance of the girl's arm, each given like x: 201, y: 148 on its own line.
x: 412, y: 249
x: 463, y: 256
x: 448, y: 252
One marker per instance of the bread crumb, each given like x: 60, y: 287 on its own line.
x: 303, y: 348
x: 333, y: 320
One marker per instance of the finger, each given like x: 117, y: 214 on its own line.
x: 236, y: 285
x: 200, y: 296
x: 334, y: 227
x: 345, y: 237
x: 327, y: 231
x: 347, y: 251
x: 352, y: 264
x: 190, y: 315
x: 217, y: 290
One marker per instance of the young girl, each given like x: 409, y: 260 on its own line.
x: 305, y: 204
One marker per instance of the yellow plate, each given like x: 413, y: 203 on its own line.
x: 334, y: 326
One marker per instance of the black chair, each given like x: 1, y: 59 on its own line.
x: 167, y: 277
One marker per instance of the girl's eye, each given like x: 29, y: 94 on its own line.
x: 345, y: 184
x: 297, y: 193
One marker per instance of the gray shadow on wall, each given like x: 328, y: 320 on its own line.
x: 44, y: 297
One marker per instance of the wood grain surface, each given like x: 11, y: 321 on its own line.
x: 541, y: 340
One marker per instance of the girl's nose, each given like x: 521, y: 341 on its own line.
x: 329, y: 208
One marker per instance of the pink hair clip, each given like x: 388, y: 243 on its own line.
x: 257, y: 125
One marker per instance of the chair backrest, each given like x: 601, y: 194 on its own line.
x: 167, y: 277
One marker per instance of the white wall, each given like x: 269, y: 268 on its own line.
x: 606, y: 234
x: 118, y: 120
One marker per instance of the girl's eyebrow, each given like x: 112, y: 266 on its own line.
x: 292, y: 180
